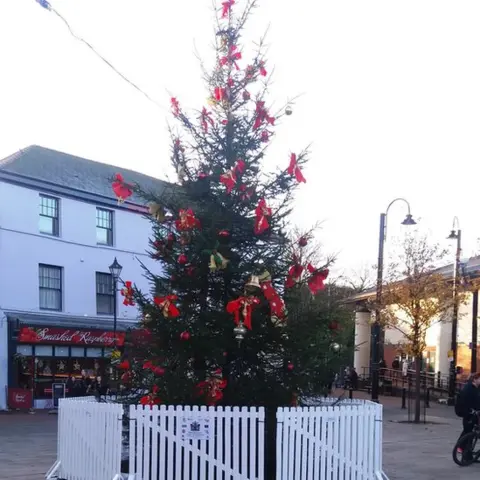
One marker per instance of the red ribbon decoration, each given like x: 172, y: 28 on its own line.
x: 157, y: 370
x: 220, y: 94
x: 206, y: 119
x: 227, y: 7
x: 121, y: 189
x: 277, y: 305
x: 317, y: 279
x: 127, y: 293
x: 152, y: 398
x: 294, y: 169
x: 212, y: 388
x: 229, y: 179
x: 175, y: 106
x: 231, y: 57
x: 166, y: 305
x: 261, y: 68
x: 187, y: 220
x: 261, y: 115
x: 261, y: 221
x: 243, y: 305
x: 294, y: 273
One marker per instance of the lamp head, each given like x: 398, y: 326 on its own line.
x: 409, y: 220
x: 453, y: 235
x: 115, y: 269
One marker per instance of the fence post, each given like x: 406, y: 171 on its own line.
x: 427, y: 398
x: 350, y: 393
x: 404, y: 398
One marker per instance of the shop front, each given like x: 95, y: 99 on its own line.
x: 46, y: 355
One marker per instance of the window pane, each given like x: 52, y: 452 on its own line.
x: 50, y: 287
x: 43, y: 350
x: 45, y: 225
x: 25, y: 350
x: 78, y: 352
x: 102, y: 236
x: 94, y: 352
x: 104, y: 226
x: 61, y: 352
x: 105, y: 304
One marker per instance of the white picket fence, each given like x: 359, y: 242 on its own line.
x: 89, y: 441
x: 183, y: 443
x: 328, y: 442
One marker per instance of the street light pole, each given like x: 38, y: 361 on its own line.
x: 454, y: 235
x: 377, y: 326
x: 115, y: 271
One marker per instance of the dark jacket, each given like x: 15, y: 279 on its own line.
x: 470, y: 398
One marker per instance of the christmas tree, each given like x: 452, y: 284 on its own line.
x: 225, y: 321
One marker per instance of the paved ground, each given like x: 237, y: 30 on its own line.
x: 411, y: 452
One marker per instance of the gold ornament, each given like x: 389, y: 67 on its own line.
x: 240, y: 331
x: 218, y: 261
x: 253, y: 284
x: 156, y: 211
x: 288, y: 110
x: 212, y: 101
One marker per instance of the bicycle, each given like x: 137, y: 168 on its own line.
x: 467, y: 449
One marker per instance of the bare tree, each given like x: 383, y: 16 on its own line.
x: 416, y: 296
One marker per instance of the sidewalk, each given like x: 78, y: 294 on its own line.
x: 28, y: 445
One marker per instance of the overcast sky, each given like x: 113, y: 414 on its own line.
x: 391, y: 99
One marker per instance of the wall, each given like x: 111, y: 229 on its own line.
x: 22, y: 248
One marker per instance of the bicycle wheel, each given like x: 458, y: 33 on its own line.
x: 466, y: 450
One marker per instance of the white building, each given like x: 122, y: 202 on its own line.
x: 60, y: 229
x: 438, y: 338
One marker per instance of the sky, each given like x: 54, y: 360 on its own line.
x: 390, y: 100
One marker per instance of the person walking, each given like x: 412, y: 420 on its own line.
x: 467, y: 404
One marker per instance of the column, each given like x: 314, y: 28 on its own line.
x: 361, y: 360
x: 444, y: 343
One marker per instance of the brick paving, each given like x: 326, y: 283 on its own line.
x: 28, y: 445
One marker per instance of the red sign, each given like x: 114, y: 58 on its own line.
x: 19, y: 398
x: 64, y: 336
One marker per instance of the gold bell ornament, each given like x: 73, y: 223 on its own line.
x: 217, y: 261
x: 156, y: 211
x: 240, y: 331
x: 253, y: 284
x: 288, y: 110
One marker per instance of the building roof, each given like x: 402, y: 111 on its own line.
x: 470, y: 268
x: 54, y: 168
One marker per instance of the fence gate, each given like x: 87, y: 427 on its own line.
x: 330, y: 443
x: 191, y: 443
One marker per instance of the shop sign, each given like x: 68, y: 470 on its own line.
x: 65, y: 336
x: 19, y: 398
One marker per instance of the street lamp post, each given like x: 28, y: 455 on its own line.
x: 115, y: 271
x: 377, y: 328
x: 455, y: 234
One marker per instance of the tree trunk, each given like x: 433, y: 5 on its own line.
x: 418, y: 368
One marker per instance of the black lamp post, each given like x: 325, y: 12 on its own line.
x: 115, y: 270
x: 377, y: 328
x: 455, y: 234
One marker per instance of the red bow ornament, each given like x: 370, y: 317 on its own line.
x: 175, y: 106
x: 261, y: 115
x: 229, y: 179
x: 157, y: 370
x: 167, y: 306
x: 294, y: 273
x: 262, y: 213
x: 277, y: 305
x: 227, y: 7
x: 294, y: 169
x: 121, y: 189
x: 212, y: 388
x: 317, y: 279
x: 127, y: 294
x: 187, y: 220
x: 261, y: 68
x: 244, y: 306
x: 205, y: 119
x: 152, y: 398
x: 231, y: 58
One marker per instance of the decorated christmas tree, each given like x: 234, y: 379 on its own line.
x: 230, y: 320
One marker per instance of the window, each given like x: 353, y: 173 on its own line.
x: 50, y: 287
x: 48, y: 220
x: 104, y: 227
x: 105, y: 294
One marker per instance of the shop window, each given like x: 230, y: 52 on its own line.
x: 50, y: 287
x: 43, y: 351
x: 62, y: 352
x: 94, y: 352
x: 105, y: 294
x: 78, y: 352
x: 48, y: 221
x: 104, y: 227
x: 25, y: 350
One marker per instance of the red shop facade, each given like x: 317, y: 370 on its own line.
x: 43, y: 355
